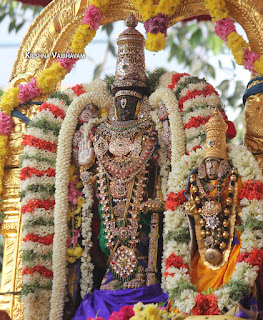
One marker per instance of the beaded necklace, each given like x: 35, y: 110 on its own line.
x: 214, y: 226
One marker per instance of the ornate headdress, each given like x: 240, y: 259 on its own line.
x: 215, y: 146
x: 130, y: 68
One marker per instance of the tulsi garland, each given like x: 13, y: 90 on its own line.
x: 177, y: 257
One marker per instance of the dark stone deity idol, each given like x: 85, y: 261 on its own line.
x: 122, y: 159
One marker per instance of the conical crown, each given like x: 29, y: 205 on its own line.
x: 130, y: 67
x: 215, y: 146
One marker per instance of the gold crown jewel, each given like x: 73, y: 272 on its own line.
x: 216, y: 128
x: 130, y: 67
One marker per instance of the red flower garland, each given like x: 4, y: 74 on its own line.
x: 57, y: 112
x: 196, y: 122
x: 28, y: 172
x: 176, y: 78
x: 254, y: 257
x: 205, y: 305
x: 175, y: 261
x: 38, y: 143
x: 208, y: 90
x: 46, y: 240
x: 252, y: 190
x: 174, y: 200
x: 40, y: 269
x: 35, y: 203
x: 78, y: 89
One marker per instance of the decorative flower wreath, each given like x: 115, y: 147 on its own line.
x: 39, y: 167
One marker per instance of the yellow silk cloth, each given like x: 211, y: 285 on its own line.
x: 202, y: 276
x: 205, y: 278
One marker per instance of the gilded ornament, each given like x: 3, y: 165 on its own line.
x: 213, y: 256
x: 222, y: 245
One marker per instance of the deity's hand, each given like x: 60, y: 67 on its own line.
x: 86, y: 153
x: 152, y: 205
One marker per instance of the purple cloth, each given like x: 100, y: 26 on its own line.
x: 103, y: 302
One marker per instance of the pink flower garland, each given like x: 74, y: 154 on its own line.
x: 67, y: 63
x: 6, y: 124
x: 249, y: 59
x: 28, y: 91
x: 224, y: 27
x: 157, y: 24
x: 92, y: 17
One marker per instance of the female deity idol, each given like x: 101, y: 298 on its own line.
x: 213, y: 204
x: 212, y: 242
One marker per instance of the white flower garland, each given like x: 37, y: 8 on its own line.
x: 248, y: 169
x: 61, y: 196
x: 177, y: 132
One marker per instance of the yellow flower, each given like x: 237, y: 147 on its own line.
x: 146, y: 8
x: 167, y: 7
x: 80, y: 201
x: 72, y: 172
x: 77, y: 222
x: 9, y: 100
x: 79, y: 185
x: 81, y: 38
x: 78, y: 251
x: 237, y: 44
x: 155, y: 42
x: 137, y: 307
x: 217, y: 9
x: 71, y: 259
x: 103, y: 112
x: 258, y: 65
x: 49, y: 78
x: 151, y: 312
x: 102, y: 5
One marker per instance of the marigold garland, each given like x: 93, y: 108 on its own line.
x: 156, y: 19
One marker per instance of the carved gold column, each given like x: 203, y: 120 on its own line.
x: 11, y: 228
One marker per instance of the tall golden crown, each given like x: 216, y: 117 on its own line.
x: 130, y: 67
x: 215, y: 145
